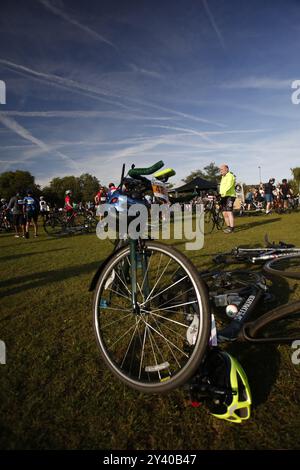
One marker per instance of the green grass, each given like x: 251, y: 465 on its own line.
x: 55, y: 391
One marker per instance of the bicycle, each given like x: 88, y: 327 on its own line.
x: 281, y: 260
x: 213, y: 216
x: 60, y: 225
x: 5, y: 221
x: 272, y: 251
x: 152, y: 328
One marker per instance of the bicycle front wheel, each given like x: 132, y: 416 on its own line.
x: 209, y: 222
x: 159, y: 347
x: 219, y: 219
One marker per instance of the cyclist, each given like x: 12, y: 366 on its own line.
x: 249, y: 199
x: 269, y: 188
x: 228, y: 195
x: 100, y: 197
x: 31, y: 212
x: 112, y: 189
x: 16, y: 204
x: 285, y: 192
x: 44, y: 208
x: 69, y: 208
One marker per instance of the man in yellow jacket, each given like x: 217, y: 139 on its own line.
x: 228, y: 195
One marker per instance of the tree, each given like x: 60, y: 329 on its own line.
x: 89, y: 186
x: 210, y: 172
x: 194, y: 174
x: 20, y: 181
x: 296, y: 174
x: 83, y: 188
x: 59, y: 186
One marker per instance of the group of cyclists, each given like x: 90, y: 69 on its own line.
x: 270, y: 196
x: 22, y: 212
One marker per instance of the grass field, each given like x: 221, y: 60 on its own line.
x: 55, y: 391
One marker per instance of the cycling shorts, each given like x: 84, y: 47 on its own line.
x: 226, y: 203
x: 18, y: 219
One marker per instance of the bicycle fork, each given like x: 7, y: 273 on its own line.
x: 138, y: 259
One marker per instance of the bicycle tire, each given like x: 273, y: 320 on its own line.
x: 209, y: 222
x: 279, y: 313
x: 219, y: 220
x: 271, y: 267
x: 154, y: 383
x: 54, y: 227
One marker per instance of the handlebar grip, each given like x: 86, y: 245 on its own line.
x: 146, y: 171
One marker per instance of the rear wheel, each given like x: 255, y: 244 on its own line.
x: 159, y: 347
x: 54, y: 227
x: 282, y: 323
x: 287, y: 266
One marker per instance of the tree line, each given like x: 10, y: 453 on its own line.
x: 85, y: 186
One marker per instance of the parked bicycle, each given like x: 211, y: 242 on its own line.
x: 152, y: 327
x: 213, y: 217
x: 60, y: 224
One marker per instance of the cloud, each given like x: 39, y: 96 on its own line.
x: 259, y: 83
x: 62, y: 14
x: 83, y: 114
x: 71, y: 85
x: 25, y: 134
x: 100, y: 94
x: 214, y: 24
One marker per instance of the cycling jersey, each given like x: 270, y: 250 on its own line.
x: 30, y: 205
x: 68, y: 203
x: 100, y: 197
x: 43, y: 206
x: 227, y: 186
x: 285, y: 189
x: 16, y: 204
x: 269, y: 188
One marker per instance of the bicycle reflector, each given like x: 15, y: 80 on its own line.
x: 226, y: 373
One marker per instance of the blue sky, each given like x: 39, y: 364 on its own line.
x: 92, y: 84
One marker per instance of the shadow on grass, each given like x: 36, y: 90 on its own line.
x: 262, y: 361
x: 22, y: 255
x: 261, y: 364
x: 44, y: 278
x: 241, y: 228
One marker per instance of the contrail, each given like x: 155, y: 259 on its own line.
x: 96, y: 93
x: 91, y: 91
x: 48, y: 5
x: 213, y: 24
x: 21, y: 131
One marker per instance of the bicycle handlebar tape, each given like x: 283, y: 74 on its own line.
x: 146, y: 171
x: 166, y: 173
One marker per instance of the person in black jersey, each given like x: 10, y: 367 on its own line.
x: 269, y: 188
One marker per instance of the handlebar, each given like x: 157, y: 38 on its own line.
x: 134, y: 172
